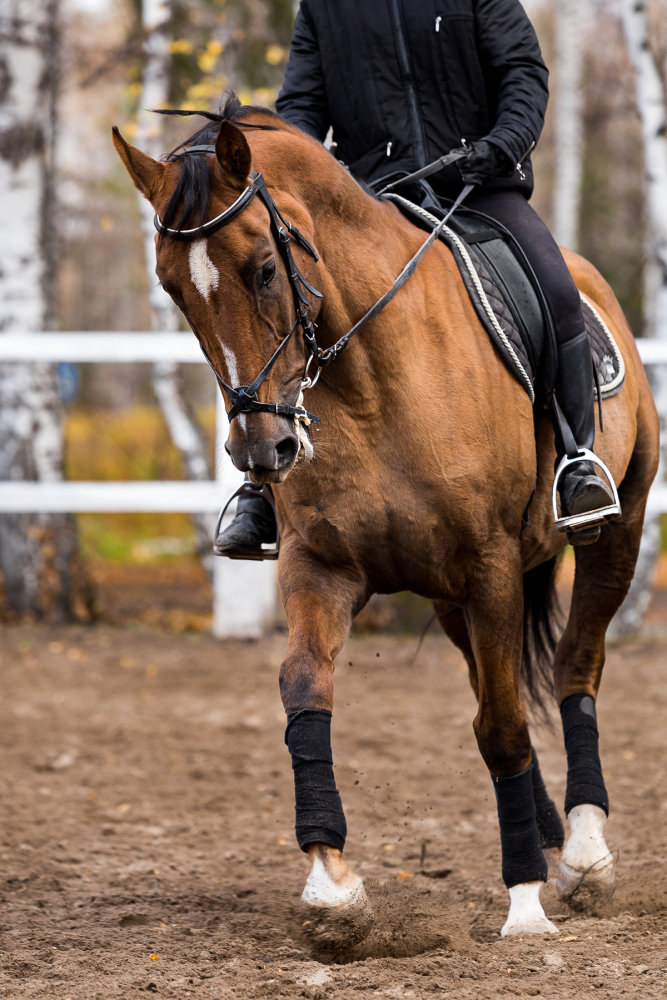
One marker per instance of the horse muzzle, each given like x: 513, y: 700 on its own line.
x: 265, y: 459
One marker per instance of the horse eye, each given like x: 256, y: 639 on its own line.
x: 268, y: 273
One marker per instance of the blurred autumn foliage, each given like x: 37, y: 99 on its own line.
x: 129, y: 444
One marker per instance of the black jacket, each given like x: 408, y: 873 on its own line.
x: 401, y: 82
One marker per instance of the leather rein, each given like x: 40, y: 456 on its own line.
x: 243, y: 398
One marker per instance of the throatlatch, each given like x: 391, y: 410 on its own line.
x: 319, y: 812
x: 585, y: 784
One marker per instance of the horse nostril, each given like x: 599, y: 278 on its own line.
x: 286, y: 451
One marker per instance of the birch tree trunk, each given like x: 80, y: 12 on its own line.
x: 652, y: 106
x: 570, y: 17
x: 184, y: 430
x: 38, y: 554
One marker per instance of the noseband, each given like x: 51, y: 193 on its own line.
x: 243, y: 398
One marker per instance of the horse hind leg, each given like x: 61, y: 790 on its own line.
x: 529, y: 821
x: 549, y: 824
x: 603, y: 575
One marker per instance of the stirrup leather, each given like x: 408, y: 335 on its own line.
x: 575, y: 522
x: 269, y: 550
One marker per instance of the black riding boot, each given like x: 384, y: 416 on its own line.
x: 581, y: 489
x: 254, y: 524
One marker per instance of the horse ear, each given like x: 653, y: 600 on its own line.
x: 233, y: 153
x: 146, y: 173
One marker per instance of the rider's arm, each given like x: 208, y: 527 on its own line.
x: 302, y: 99
x: 515, y: 71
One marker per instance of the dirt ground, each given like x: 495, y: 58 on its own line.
x: 148, y: 847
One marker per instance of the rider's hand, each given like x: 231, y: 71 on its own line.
x: 484, y: 162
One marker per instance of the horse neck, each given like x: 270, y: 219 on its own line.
x: 363, y: 243
x: 363, y: 246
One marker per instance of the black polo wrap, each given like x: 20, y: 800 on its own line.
x: 319, y: 812
x: 549, y: 823
x: 522, y: 857
x: 585, y: 784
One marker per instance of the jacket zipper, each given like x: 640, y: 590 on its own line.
x: 406, y: 72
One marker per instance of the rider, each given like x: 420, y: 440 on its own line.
x: 402, y: 82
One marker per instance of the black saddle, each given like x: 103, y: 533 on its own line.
x: 509, y: 301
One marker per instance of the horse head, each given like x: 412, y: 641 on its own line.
x: 225, y: 258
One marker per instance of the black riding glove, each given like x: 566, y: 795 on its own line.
x: 484, y: 162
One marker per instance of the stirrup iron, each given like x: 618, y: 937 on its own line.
x: 576, y: 522
x: 269, y: 550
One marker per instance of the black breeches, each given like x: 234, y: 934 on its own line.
x: 512, y: 210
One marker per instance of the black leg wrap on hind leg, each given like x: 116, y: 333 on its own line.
x: 523, y: 860
x: 585, y: 784
x: 319, y: 812
x: 549, y: 823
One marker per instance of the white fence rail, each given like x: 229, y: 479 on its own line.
x: 244, y: 592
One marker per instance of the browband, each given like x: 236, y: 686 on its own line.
x: 213, y: 225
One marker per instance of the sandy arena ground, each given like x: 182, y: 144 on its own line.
x: 148, y: 848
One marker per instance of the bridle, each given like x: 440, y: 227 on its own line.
x: 243, y: 398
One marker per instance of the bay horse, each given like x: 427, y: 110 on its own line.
x: 416, y: 477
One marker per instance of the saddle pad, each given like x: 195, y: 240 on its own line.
x: 513, y: 327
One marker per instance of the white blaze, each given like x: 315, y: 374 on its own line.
x: 205, y: 275
x: 233, y: 371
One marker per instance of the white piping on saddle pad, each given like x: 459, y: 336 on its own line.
x: 608, y: 388
x: 479, y: 288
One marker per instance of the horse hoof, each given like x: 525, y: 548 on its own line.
x: 339, y: 914
x: 336, y: 928
x: 526, y: 915
x: 586, y: 880
x: 589, y: 890
x: 321, y: 890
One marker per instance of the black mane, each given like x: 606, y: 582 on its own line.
x: 192, y: 193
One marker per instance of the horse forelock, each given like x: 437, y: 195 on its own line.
x: 189, y: 201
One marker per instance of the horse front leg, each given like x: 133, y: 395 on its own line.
x: 319, y: 619
x: 495, y: 619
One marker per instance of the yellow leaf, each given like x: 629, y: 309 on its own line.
x: 274, y: 55
x: 154, y: 957
x: 206, y: 61
x: 181, y: 46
